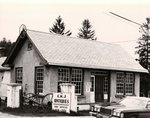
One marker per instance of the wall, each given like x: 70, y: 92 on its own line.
x: 113, y: 86
x: 4, y: 82
x: 52, y: 79
x: 27, y: 59
x: 85, y: 97
x: 137, y: 84
x: 1, y: 79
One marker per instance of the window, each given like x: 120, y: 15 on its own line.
x: 19, y: 75
x: 120, y: 83
x: 63, y: 76
x: 129, y: 84
x: 39, y: 77
x: 68, y: 75
x: 105, y: 85
x: 92, y: 82
x: 125, y: 83
x: 29, y: 46
x: 76, y: 78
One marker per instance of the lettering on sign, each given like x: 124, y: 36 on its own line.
x: 61, y: 102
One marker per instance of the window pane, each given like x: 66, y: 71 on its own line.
x: 39, y: 77
x: 105, y: 85
x: 19, y: 75
x: 125, y: 83
x: 129, y: 84
x: 63, y: 76
x: 92, y: 83
x: 120, y: 83
x: 68, y: 75
x: 76, y: 78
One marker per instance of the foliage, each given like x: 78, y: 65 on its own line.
x: 144, y: 45
x: 86, y: 31
x: 5, y: 47
x: 59, y: 27
x: 143, y: 50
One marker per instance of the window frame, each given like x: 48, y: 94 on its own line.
x: 29, y: 45
x: 70, y: 79
x: 119, y: 83
x: 78, y: 83
x: 61, y: 78
x: 19, y: 79
x: 124, y: 84
x: 130, y: 83
x: 92, y: 80
x: 39, y: 82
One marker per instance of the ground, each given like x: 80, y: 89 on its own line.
x: 37, y: 112
x: 6, y: 115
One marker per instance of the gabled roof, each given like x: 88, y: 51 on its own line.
x: 68, y: 51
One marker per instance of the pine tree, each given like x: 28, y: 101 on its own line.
x: 59, y: 27
x: 5, y: 47
x: 143, y: 50
x: 86, y: 31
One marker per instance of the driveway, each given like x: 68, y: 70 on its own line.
x: 6, y: 115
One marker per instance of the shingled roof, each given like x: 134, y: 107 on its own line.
x: 75, y: 52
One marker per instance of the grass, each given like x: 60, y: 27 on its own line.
x: 27, y: 110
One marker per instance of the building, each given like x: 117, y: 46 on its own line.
x: 4, y: 78
x: 101, y: 71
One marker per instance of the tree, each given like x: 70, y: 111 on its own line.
x: 59, y: 27
x: 143, y: 50
x: 5, y: 47
x: 86, y: 31
x: 144, y: 45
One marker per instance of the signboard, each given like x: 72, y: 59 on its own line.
x: 105, y: 96
x: 61, y: 102
x: 88, y: 86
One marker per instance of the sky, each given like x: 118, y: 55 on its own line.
x: 41, y: 14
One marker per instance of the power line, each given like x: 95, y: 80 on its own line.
x: 125, y: 18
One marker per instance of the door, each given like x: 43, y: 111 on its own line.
x: 99, y: 94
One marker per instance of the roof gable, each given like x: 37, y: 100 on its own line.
x: 18, y: 45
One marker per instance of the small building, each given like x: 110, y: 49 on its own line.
x: 101, y: 71
x: 4, y: 78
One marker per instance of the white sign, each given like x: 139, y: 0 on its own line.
x: 61, y: 102
x: 105, y: 96
x: 88, y: 86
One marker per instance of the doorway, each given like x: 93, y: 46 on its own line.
x: 102, y: 86
x: 99, y: 93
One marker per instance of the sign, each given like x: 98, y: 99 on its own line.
x: 105, y: 96
x: 88, y: 86
x: 61, y: 102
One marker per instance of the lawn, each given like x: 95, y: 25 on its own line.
x: 27, y: 110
